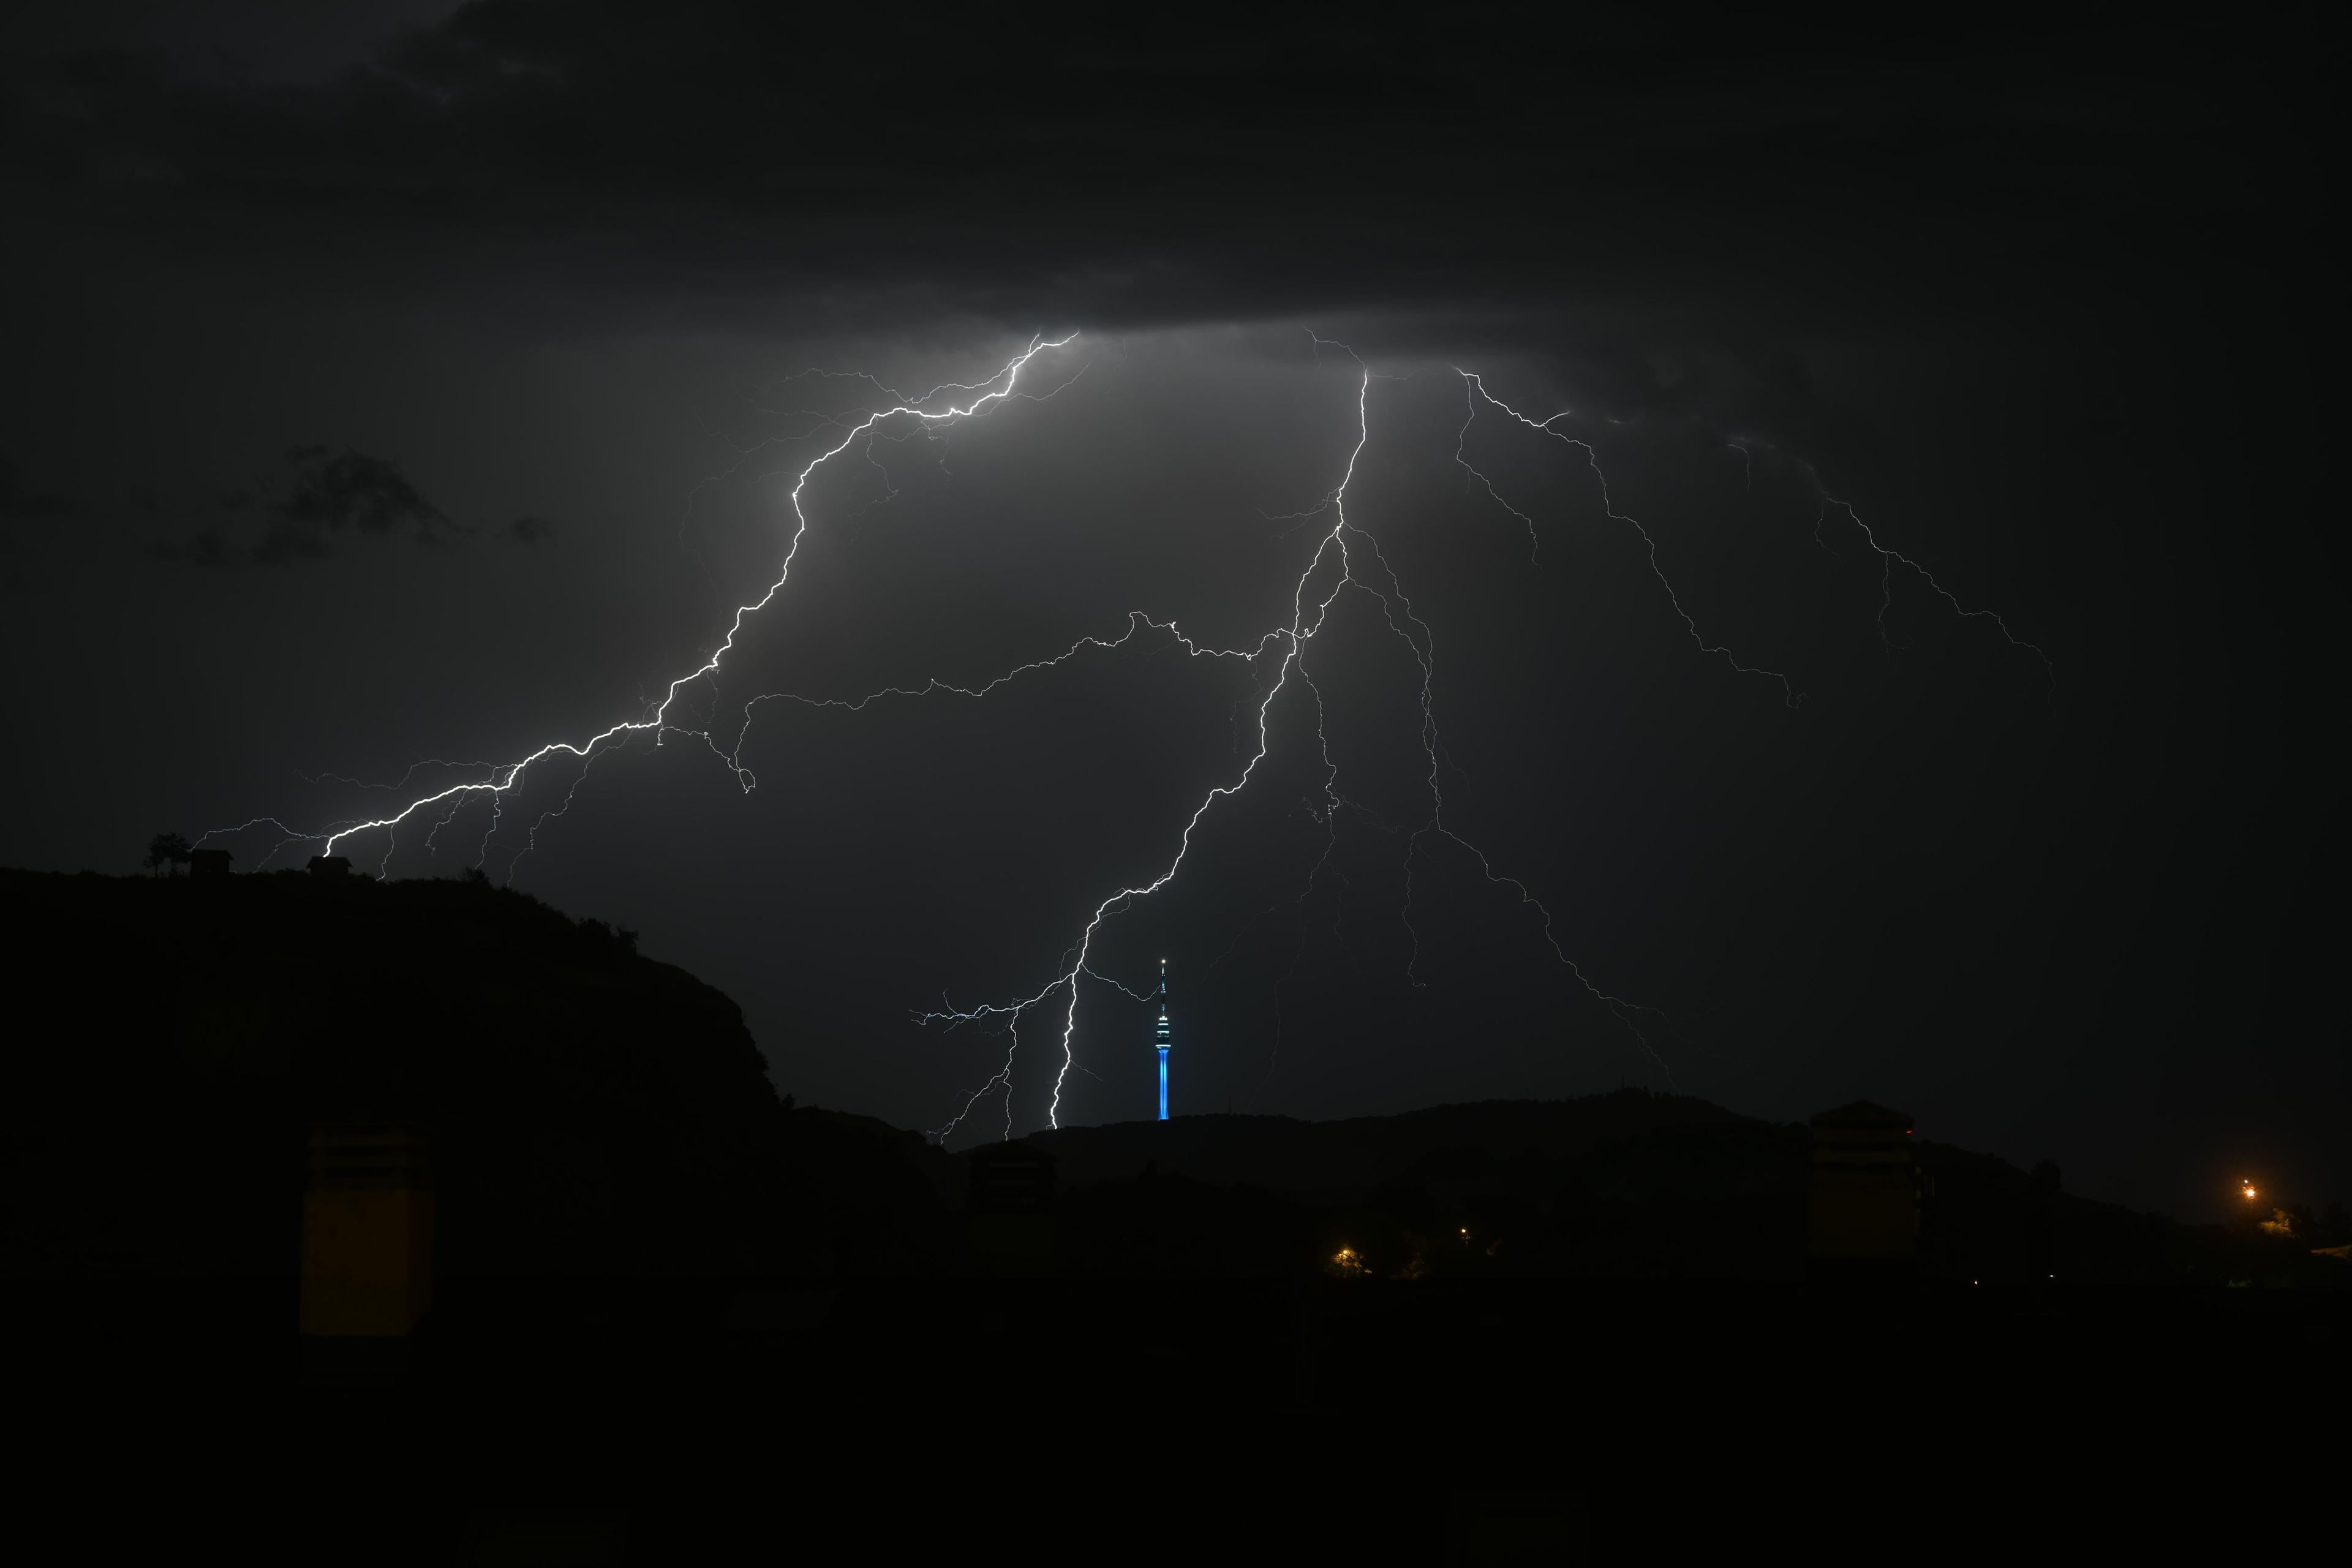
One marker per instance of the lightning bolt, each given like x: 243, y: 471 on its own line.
x: 1889, y: 558
x: 1137, y: 623
x: 506, y: 777
x: 1346, y: 556
x: 1474, y: 391
x: 1292, y: 642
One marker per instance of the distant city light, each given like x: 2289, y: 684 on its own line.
x: 2249, y: 1188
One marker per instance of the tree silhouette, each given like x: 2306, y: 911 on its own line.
x: 167, y: 849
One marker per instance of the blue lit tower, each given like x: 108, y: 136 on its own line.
x: 1162, y: 1039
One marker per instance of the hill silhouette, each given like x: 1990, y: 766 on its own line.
x: 1630, y: 1185
x: 595, y: 1113
x: 651, y: 1270
x: 591, y: 1111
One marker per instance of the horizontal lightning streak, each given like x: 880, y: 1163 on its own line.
x: 403, y: 779
x: 1138, y: 622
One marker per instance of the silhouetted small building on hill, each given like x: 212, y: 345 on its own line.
x: 1009, y: 1201
x: 1862, y: 1212
x: 209, y: 862
x: 330, y: 865
x: 1009, y: 1178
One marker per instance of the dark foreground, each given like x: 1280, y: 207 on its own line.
x: 676, y: 1319
x: 1490, y: 1421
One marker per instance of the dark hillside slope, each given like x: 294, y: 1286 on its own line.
x: 591, y: 1111
x: 1629, y: 1183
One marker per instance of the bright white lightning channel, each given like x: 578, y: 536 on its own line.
x: 1292, y: 641
x: 507, y: 776
x: 1338, y: 546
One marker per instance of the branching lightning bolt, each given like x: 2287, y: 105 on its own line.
x: 1475, y: 390
x: 1137, y: 623
x: 1293, y: 640
x: 1888, y: 558
x: 507, y: 776
x: 1346, y: 556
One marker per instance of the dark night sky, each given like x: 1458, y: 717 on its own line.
x: 2048, y: 307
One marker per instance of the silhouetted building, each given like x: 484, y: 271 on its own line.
x: 209, y: 862
x: 367, y: 1230
x: 1009, y: 1209
x: 330, y: 865
x: 1863, y: 1217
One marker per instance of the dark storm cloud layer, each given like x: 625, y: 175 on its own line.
x: 331, y: 497
x: 1143, y: 164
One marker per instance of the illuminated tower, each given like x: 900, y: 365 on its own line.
x: 1162, y: 1039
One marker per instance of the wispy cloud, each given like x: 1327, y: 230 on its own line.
x: 325, y: 500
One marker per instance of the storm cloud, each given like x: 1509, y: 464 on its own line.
x: 1149, y: 167
x: 324, y: 499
